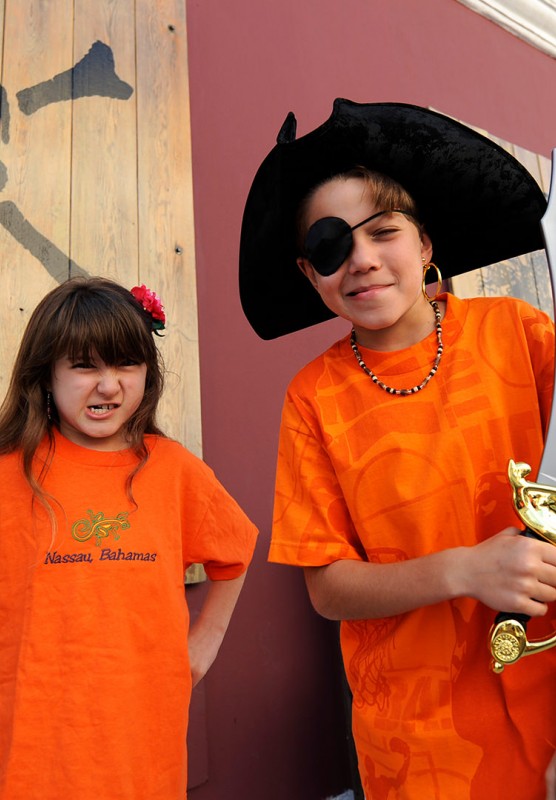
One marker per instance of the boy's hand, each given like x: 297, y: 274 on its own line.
x: 510, y: 572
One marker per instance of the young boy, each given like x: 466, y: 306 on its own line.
x: 391, y: 488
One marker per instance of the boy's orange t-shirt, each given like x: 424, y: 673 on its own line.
x: 365, y: 475
x: 94, y: 671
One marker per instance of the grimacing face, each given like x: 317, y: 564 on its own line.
x: 94, y: 400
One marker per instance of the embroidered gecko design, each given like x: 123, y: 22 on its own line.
x: 99, y: 526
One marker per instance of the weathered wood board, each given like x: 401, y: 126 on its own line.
x: 95, y: 170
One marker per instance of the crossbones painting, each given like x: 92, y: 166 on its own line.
x: 93, y: 75
x: 96, y: 172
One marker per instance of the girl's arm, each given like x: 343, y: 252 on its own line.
x: 207, y: 632
x: 504, y: 572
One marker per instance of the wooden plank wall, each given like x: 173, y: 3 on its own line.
x: 95, y: 169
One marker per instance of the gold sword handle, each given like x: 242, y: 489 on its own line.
x: 508, y: 635
x: 509, y: 643
x: 535, y: 504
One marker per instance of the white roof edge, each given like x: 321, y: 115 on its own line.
x: 534, y: 21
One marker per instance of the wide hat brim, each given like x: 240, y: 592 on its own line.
x: 479, y: 205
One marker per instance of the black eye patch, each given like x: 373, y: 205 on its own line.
x: 329, y: 241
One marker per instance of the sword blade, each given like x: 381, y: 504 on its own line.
x: 547, y: 469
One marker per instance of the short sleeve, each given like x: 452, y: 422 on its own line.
x: 225, y: 538
x: 311, y: 524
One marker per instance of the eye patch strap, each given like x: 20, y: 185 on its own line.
x: 379, y: 213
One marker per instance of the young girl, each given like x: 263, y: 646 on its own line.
x: 100, y: 517
x: 391, y: 488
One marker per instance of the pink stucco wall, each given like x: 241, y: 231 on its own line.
x: 273, y: 726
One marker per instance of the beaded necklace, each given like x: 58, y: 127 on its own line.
x: 432, y: 373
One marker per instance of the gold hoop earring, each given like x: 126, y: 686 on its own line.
x: 426, y: 268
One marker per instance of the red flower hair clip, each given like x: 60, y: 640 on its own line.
x: 152, y: 304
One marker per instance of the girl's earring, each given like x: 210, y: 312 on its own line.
x: 49, y: 406
x: 426, y: 268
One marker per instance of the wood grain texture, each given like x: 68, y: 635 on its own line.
x: 98, y: 183
x: 36, y: 156
x: 166, y: 230
x: 104, y: 148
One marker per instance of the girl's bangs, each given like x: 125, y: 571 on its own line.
x: 114, y: 335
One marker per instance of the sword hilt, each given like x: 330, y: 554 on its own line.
x: 508, y: 638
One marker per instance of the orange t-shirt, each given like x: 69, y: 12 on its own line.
x: 94, y: 671
x: 369, y: 476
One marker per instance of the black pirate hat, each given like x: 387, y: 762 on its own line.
x: 479, y: 205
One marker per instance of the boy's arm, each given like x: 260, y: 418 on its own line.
x: 505, y: 571
x: 207, y: 632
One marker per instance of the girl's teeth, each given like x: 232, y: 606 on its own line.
x: 100, y: 409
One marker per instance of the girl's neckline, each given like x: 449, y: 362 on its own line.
x: 66, y: 449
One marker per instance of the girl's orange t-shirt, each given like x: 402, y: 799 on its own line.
x: 94, y: 670
x: 369, y: 476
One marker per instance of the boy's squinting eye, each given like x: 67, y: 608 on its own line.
x: 329, y: 240
x: 383, y: 232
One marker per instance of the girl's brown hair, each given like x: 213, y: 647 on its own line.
x: 76, y: 319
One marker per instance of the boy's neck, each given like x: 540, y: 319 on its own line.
x: 405, y: 333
